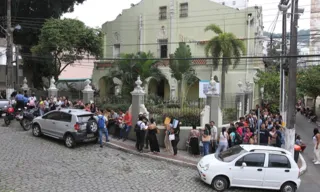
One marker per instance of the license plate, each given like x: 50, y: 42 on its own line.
x: 90, y: 135
x: 3, y: 115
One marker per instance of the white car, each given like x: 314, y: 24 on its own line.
x: 251, y: 166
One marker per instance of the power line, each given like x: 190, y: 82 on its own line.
x: 205, y: 10
x: 200, y: 58
x: 312, y: 36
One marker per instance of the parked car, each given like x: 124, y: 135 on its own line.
x: 70, y: 125
x: 251, y: 166
x: 4, y: 103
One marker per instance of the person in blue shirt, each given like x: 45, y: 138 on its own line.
x: 20, y: 100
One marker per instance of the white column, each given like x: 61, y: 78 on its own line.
x: 171, y: 26
x: 140, y: 33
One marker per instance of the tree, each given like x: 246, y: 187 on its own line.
x: 270, y: 80
x: 225, y: 45
x: 67, y: 41
x: 31, y: 15
x: 133, y: 65
x: 182, y: 70
x: 308, y: 82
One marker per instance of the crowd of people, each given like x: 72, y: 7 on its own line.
x: 259, y: 127
x: 260, y: 123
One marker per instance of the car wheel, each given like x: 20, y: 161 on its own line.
x: 220, y: 183
x: 36, y: 130
x: 69, y: 141
x: 288, y: 187
x: 92, y: 126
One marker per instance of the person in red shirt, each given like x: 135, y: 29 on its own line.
x: 240, y: 129
x: 127, y: 125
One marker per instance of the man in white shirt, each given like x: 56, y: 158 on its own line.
x: 140, y: 134
x: 214, y: 136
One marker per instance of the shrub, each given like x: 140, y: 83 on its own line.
x: 188, y: 116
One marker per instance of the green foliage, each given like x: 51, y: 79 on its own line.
x: 225, y: 45
x: 188, y: 116
x: 182, y: 70
x: 140, y: 64
x: 270, y: 80
x: 23, y: 13
x: 67, y: 40
x: 308, y: 81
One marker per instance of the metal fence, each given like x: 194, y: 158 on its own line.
x: 229, y: 109
x: 187, y: 112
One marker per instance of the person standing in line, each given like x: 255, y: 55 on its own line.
x: 194, y: 141
x: 167, y: 143
x: 102, y: 126
x: 264, y: 136
x: 152, y: 134
x: 316, y: 142
x: 128, y: 125
x: 214, y: 136
x: 206, y: 137
x: 223, y: 141
x: 174, y: 143
x: 140, y: 134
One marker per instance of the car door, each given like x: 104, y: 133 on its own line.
x: 47, y: 121
x: 250, y: 175
x: 50, y: 121
x: 278, y: 171
x: 64, y: 124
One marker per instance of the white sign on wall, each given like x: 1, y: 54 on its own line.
x: 204, y: 87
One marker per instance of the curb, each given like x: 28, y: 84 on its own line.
x: 173, y: 161
x: 303, y: 168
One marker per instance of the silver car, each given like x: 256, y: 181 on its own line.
x: 70, y: 125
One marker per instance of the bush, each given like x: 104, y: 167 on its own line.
x: 187, y: 116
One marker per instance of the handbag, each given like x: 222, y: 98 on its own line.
x: 171, y: 137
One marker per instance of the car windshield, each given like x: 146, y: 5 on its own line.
x: 84, y: 118
x: 231, y: 154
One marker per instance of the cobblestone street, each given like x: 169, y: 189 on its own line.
x: 41, y: 164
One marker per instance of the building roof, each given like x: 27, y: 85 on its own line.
x: 80, y: 70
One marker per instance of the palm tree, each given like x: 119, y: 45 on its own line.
x: 133, y: 65
x: 225, y: 45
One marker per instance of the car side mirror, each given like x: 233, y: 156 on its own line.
x: 243, y: 164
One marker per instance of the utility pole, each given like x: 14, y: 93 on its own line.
x: 291, y: 115
x: 284, y: 8
x: 9, y: 54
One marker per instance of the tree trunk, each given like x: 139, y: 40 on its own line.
x: 223, y: 83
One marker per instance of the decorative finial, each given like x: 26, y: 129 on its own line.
x: 138, y: 82
x: 52, y: 83
x: 88, y: 86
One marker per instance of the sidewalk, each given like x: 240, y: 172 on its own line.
x: 182, y: 158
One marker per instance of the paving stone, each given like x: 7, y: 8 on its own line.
x: 42, y: 164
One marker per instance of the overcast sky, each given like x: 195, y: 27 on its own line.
x: 96, y: 12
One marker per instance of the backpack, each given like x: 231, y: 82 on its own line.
x: 137, y: 127
x: 238, y: 139
x: 101, y: 122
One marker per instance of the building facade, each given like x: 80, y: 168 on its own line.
x: 17, y: 72
x: 158, y: 27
